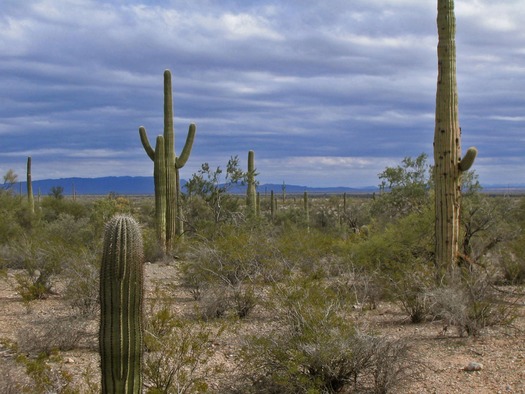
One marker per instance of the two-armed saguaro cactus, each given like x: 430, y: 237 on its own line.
x: 167, y: 181
x: 448, y: 164
x: 121, y: 304
x: 251, y: 197
x: 30, y: 197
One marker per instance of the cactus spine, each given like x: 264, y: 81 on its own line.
x: 448, y: 165
x: 170, y: 181
x: 251, y: 202
x: 121, y: 298
x: 30, y: 197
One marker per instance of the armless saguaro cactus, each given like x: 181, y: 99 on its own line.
x: 306, y: 210
x: 170, y: 180
x: 30, y: 197
x: 251, y: 202
x: 448, y: 164
x: 121, y: 307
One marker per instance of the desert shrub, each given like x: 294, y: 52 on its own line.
x: 44, y: 373
x: 82, y: 282
x: 40, y: 260
x: 361, y: 288
x: 69, y: 230
x: 410, y: 288
x: 46, y: 251
x: 12, y: 209
x: 52, y: 208
x: 48, y: 335
x: 513, y: 261
x: 105, y: 208
x: 228, y: 267
x: 513, y: 269
x: 307, y: 251
x: 178, y: 351
x: 289, y: 216
x: 471, y: 304
x: 152, y: 248
x: 326, y: 215
x: 313, y: 348
x: 400, y: 258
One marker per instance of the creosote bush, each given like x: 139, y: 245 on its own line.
x: 315, y: 348
x: 178, y: 350
x: 222, y: 273
x: 472, y: 304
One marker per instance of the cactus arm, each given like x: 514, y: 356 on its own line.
x: 145, y: 143
x: 185, y: 154
x: 466, y: 162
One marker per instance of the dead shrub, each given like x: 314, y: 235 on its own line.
x: 471, y: 304
x: 46, y: 336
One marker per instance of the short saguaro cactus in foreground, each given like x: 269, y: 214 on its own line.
x: 121, y: 307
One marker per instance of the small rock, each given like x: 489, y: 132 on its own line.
x: 473, y: 366
x: 69, y: 360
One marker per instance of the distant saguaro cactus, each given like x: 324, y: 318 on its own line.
x: 170, y: 182
x: 306, y: 210
x: 121, y: 307
x: 272, y: 205
x: 251, y: 202
x: 448, y: 164
x: 30, y: 197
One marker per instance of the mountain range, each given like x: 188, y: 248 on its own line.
x: 137, y: 185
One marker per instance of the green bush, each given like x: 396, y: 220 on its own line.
x: 229, y: 267
x: 314, y: 348
x: 178, y: 351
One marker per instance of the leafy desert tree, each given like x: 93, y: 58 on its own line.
x: 10, y: 179
x: 57, y: 192
x: 405, y: 188
x: 209, y: 186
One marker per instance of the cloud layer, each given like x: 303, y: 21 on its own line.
x: 327, y: 94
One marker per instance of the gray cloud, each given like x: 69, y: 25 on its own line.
x: 325, y: 93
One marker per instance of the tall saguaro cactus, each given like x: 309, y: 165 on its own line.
x: 251, y: 202
x: 121, y: 307
x: 170, y: 180
x: 30, y: 197
x: 448, y: 164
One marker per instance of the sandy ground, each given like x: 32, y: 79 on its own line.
x: 443, y: 356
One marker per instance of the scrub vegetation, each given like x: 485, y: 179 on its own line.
x: 267, y: 299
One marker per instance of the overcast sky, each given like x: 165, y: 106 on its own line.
x: 326, y: 93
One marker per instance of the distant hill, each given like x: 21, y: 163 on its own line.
x: 132, y: 185
x: 82, y: 186
x: 136, y: 185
